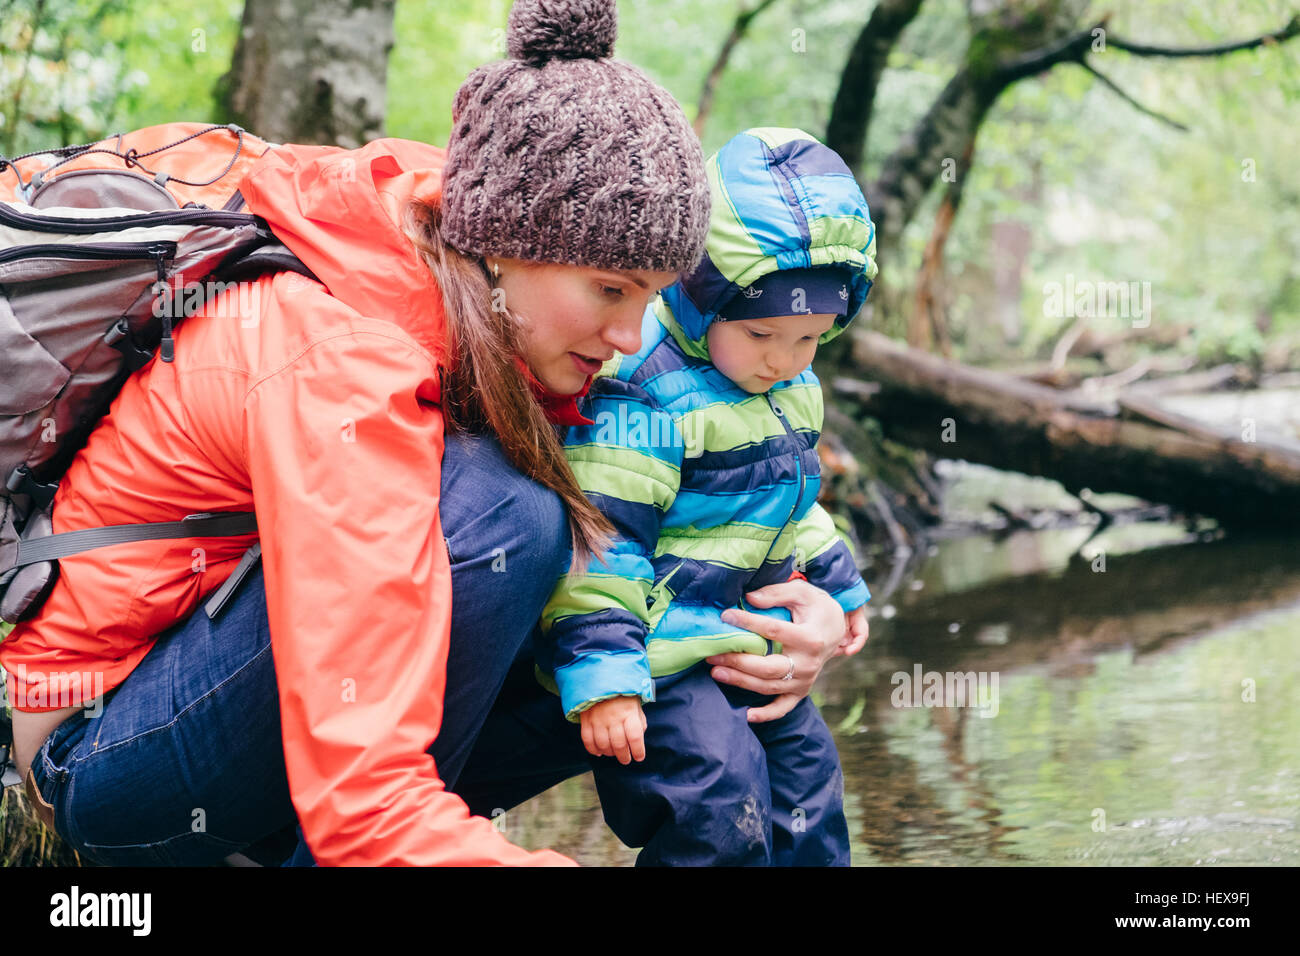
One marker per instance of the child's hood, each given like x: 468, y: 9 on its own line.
x: 781, y: 200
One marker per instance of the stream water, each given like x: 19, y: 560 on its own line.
x: 1134, y: 698
x: 1140, y: 706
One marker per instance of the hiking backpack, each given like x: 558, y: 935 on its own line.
x: 101, y: 249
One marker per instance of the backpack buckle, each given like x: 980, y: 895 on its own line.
x: 120, y: 337
x: 21, y: 482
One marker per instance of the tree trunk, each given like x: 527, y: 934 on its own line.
x: 846, y: 132
x: 945, y: 133
x: 957, y: 411
x: 929, y: 319
x: 949, y: 128
x: 310, y: 71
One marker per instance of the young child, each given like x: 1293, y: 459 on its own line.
x: 702, y: 453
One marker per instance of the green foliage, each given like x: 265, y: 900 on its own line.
x: 1209, y: 216
x: 1230, y: 342
x: 182, y: 47
x: 61, y: 70
x: 438, y: 42
x: 851, y: 720
x: 77, y: 70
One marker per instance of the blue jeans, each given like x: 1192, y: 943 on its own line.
x: 183, y: 762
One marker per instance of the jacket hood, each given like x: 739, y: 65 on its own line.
x: 781, y: 200
x: 340, y: 212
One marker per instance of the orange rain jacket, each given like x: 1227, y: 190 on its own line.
x: 316, y: 405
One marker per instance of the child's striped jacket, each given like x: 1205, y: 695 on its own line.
x: 712, y: 490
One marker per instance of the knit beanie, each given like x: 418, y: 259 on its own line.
x: 561, y: 154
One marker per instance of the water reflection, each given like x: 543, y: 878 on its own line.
x: 1146, y: 714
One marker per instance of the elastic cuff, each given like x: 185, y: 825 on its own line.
x: 603, y: 674
x: 854, y: 597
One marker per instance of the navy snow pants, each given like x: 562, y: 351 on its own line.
x: 717, y: 790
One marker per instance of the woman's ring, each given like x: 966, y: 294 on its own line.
x: 789, y: 675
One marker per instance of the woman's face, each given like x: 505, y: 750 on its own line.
x: 576, y: 317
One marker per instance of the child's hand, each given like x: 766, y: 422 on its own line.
x: 615, y: 728
x: 855, y: 633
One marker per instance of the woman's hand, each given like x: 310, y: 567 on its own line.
x: 808, y: 641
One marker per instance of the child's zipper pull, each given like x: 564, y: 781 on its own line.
x: 166, y: 347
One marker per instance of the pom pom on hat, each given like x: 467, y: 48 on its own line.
x: 541, y: 30
x: 560, y: 153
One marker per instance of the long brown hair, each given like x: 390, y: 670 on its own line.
x: 484, y: 389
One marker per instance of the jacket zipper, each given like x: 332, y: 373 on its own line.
x: 186, y: 217
x: 162, y: 252
x: 798, y: 464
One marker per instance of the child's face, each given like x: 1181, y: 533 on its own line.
x: 758, y: 353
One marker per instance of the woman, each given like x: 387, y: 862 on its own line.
x: 393, y: 427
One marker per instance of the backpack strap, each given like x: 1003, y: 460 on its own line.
x: 217, y: 602
x: 270, y: 257
x: 223, y: 524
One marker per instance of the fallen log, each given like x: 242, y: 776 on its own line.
x: 1280, y: 380
x: 957, y: 411
x: 1206, y: 380
x: 1163, y: 374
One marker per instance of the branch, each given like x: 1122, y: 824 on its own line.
x: 1071, y: 49
x: 1066, y: 344
x: 1076, y: 47
x: 1129, y: 100
x: 738, y: 29
x: 956, y: 114
x: 1100, y: 383
x: 887, y: 517
x: 1278, y: 36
